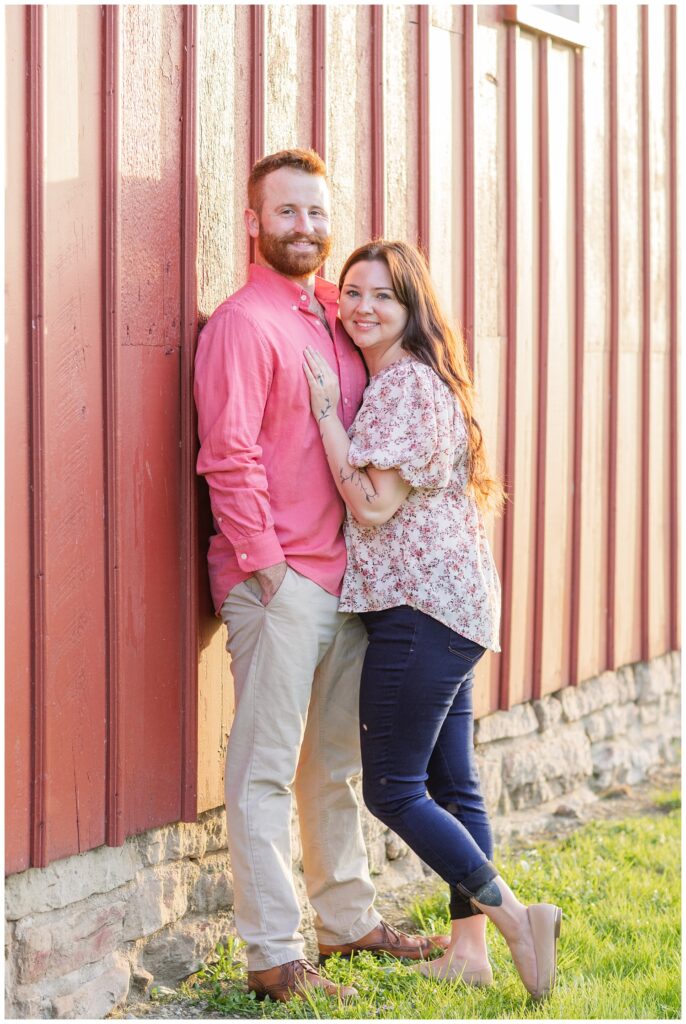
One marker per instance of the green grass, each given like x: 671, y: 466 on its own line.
x: 669, y: 800
x: 618, y: 883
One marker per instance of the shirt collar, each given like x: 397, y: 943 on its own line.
x: 290, y: 291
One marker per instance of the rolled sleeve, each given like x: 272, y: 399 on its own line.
x: 258, y: 552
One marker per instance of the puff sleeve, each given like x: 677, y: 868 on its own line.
x: 406, y: 423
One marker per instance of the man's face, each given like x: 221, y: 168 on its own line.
x: 292, y: 227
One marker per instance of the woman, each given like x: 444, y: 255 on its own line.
x: 414, y: 477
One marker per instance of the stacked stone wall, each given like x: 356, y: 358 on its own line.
x: 86, y: 933
x: 608, y: 731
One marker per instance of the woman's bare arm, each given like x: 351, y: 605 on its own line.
x: 372, y: 495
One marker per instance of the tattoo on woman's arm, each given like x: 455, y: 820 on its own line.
x: 325, y: 410
x: 359, y: 478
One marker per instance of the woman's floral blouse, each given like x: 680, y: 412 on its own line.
x: 433, y: 553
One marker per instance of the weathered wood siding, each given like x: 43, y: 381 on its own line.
x: 542, y: 180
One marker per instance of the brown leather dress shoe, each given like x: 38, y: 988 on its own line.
x: 292, y: 979
x: 387, y: 939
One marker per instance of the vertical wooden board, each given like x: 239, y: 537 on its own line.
x: 215, y: 711
x: 150, y: 584
x: 557, y: 580
x: 522, y: 488
x: 490, y: 370
x: 318, y: 73
x: 150, y: 168
x: 446, y: 87
x: 592, y: 609
x: 258, y: 60
x: 377, y: 123
x: 627, y: 615
x: 223, y: 151
x: 423, y: 236
x: 289, y: 77
x: 18, y: 765
x: 627, y: 606
x: 223, y: 168
x: 658, y: 606
x: 150, y: 578
x: 363, y: 69
x: 675, y: 42
x: 400, y: 78
x: 659, y: 639
x: 223, y: 142
x: 579, y: 162
x: 594, y: 485
x: 490, y: 274
x: 74, y: 473
x: 349, y: 159
x: 191, y: 552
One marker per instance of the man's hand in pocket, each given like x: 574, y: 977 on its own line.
x: 270, y: 579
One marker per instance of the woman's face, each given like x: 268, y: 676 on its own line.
x: 369, y: 308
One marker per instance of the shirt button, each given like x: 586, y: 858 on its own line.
x: 220, y: 518
x: 346, y: 400
x: 294, y: 307
x: 243, y: 555
x: 303, y: 298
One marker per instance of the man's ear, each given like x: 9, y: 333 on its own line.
x: 252, y: 223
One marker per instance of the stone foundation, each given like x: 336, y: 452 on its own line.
x: 90, y: 931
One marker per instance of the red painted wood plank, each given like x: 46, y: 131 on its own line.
x: 579, y: 348
x: 151, y: 587
x: 543, y: 340
x: 115, y: 793
x: 152, y: 579
x: 18, y: 531
x: 377, y: 140
x: 511, y: 328
x: 673, y: 398
x: 34, y: 20
x: 74, y: 470
x: 190, y: 556
x: 614, y: 343
x: 646, y: 583
x: 423, y: 127
x: 469, y: 196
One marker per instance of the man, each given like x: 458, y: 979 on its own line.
x: 276, y: 563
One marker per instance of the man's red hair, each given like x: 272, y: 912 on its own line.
x: 299, y: 159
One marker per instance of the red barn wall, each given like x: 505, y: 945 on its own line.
x: 541, y: 178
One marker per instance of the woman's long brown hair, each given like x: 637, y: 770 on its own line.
x: 430, y: 338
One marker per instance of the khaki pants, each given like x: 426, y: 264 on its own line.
x: 296, y: 667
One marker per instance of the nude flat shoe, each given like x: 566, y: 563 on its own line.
x: 545, y: 920
x: 477, y: 978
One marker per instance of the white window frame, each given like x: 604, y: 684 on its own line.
x: 563, y: 29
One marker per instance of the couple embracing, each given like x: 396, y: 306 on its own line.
x: 320, y: 409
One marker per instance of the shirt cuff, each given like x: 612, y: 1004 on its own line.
x: 258, y: 552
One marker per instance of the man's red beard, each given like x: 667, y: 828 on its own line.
x: 274, y: 249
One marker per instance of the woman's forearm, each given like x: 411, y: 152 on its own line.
x: 372, y: 495
x: 354, y: 485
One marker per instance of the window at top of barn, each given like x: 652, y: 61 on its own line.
x: 563, y: 22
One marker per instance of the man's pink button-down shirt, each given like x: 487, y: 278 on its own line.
x: 271, y: 491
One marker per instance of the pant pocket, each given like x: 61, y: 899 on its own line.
x: 256, y: 590
x: 466, y: 651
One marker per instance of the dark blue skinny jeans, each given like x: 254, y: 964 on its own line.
x: 419, y: 775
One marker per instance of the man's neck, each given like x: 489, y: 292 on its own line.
x: 306, y: 282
